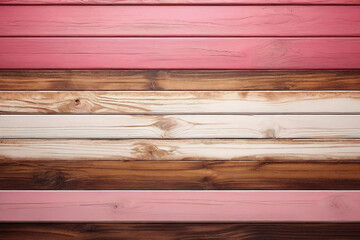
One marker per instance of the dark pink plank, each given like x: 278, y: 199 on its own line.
x: 180, y: 2
x: 180, y: 53
x: 179, y: 20
x: 188, y: 206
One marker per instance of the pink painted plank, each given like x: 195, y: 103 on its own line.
x: 180, y: 53
x: 188, y: 206
x: 180, y: 21
x: 180, y: 2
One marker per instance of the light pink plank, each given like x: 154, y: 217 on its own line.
x: 179, y: 21
x: 180, y: 53
x: 179, y: 2
x: 186, y: 206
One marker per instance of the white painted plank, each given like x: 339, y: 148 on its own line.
x: 182, y: 102
x: 176, y: 150
x: 180, y: 126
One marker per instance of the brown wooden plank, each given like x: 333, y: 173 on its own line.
x: 179, y: 175
x: 179, y: 80
x: 184, y: 231
x: 180, y: 102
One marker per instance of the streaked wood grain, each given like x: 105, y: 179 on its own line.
x: 186, y: 80
x: 179, y: 2
x: 179, y: 53
x: 278, y: 174
x: 177, y: 206
x: 180, y: 126
x: 180, y: 150
x: 185, y: 231
x: 63, y: 21
x: 209, y: 102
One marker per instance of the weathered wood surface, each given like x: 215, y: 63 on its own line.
x: 178, y: 206
x: 180, y: 53
x: 240, y: 21
x: 183, y: 231
x: 180, y: 150
x: 209, y: 102
x: 180, y: 126
x: 179, y: 80
x: 141, y: 2
x: 278, y: 174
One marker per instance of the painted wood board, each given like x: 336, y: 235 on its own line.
x: 180, y: 126
x: 179, y: 80
x: 63, y: 21
x: 179, y: 206
x: 141, y: 2
x: 180, y: 150
x: 187, y: 231
x: 167, y: 102
x: 180, y: 53
x: 278, y: 174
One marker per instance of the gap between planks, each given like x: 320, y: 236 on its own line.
x: 165, y: 102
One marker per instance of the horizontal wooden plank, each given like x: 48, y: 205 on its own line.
x: 186, y: 80
x: 179, y: 175
x: 180, y: 53
x: 180, y: 126
x: 209, y: 102
x: 181, y: 150
x: 185, y: 231
x: 62, y: 21
x: 179, y: 2
x: 173, y: 206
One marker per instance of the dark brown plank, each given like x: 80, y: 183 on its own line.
x: 130, y: 231
x: 179, y: 80
x: 178, y: 175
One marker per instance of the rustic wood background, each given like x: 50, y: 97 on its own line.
x: 201, y: 96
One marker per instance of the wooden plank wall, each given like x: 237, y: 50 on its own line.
x: 151, y: 111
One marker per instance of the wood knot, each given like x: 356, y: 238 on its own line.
x: 270, y: 133
x: 166, y: 124
x: 148, y: 151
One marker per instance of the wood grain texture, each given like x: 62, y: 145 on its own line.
x: 63, y: 21
x: 209, y: 102
x: 279, y: 174
x: 180, y: 53
x: 179, y: 206
x: 141, y: 2
x: 180, y: 126
x: 180, y: 150
x: 183, y: 231
x: 179, y: 80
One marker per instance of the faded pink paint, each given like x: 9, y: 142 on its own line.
x: 180, y: 2
x: 188, y: 206
x: 179, y: 21
x: 180, y: 53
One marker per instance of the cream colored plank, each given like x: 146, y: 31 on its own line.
x: 167, y: 102
x: 180, y: 126
x: 196, y: 149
